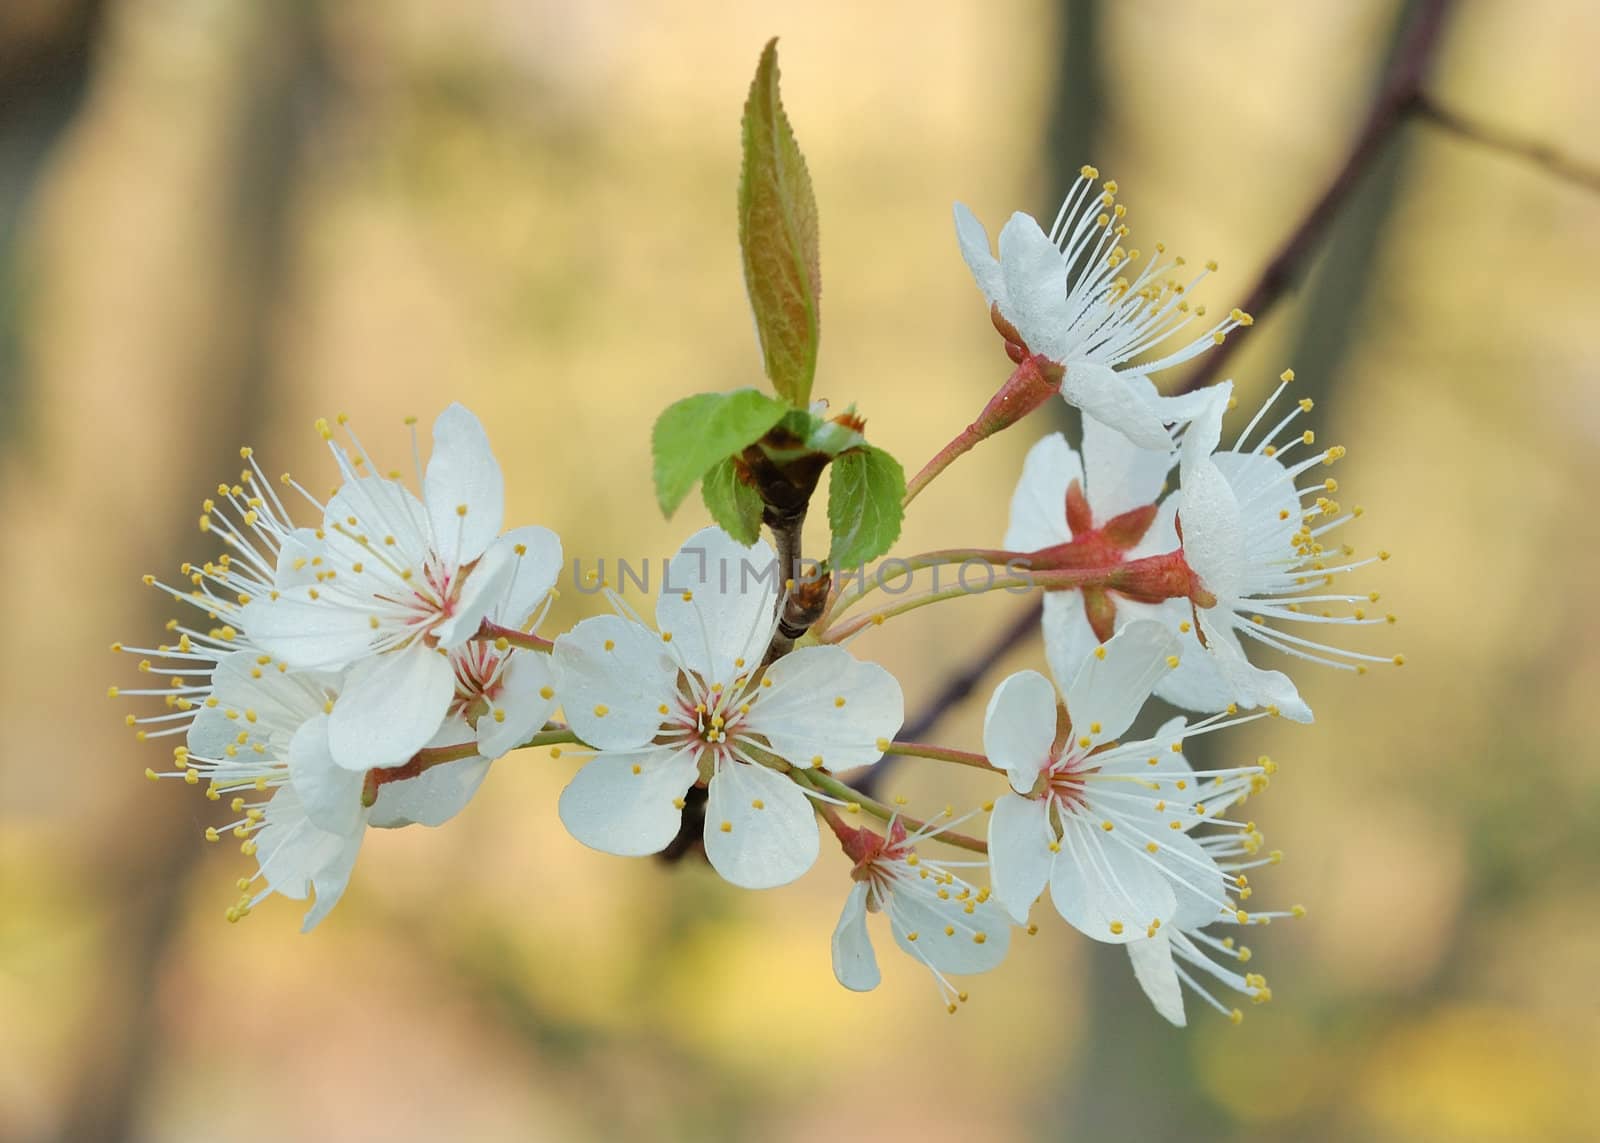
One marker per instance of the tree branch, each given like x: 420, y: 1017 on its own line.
x: 1399, y: 94
x: 1542, y: 155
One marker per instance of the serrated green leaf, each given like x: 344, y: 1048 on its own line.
x: 864, y: 512
x: 733, y: 504
x: 693, y: 434
x: 778, y: 238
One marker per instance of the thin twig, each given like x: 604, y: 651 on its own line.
x: 1399, y: 94
x: 1542, y: 155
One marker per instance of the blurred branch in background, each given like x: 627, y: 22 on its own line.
x: 279, y: 89
x: 44, y: 72
x: 1545, y: 156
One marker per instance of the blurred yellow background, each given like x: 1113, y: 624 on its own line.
x: 219, y: 221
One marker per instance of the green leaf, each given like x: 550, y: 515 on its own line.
x: 778, y: 238
x: 864, y: 512
x: 733, y: 504
x: 695, y: 433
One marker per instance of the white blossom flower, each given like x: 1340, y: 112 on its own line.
x: 1068, y: 296
x: 1104, y: 504
x: 390, y: 585
x: 946, y: 924
x: 260, y: 740
x: 1184, y: 954
x: 691, y: 704
x: 1252, y: 532
x: 1103, y: 823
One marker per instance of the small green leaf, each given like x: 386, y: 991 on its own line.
x: 695, y: 433
x: 778, y: 238
x: 733, y: 504
x: 864, y: 512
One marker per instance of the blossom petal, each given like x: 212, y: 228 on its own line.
x: 432, y: 798
x: 330, y: 794
x: 760, y: 831
x: 379, y: 524
x: 462, y: 473
x: 1197, y: 880
x: 1251, y: 686
x: 482, y: 587
x: 1156, y: 974
x: 1019, y: 852
x: 1213, y: 530
x: 519, y: 706
x: 854, y: 964
x: 294, y: 567
x: 974, y: 240
x: 1198, y: 683
x: 719, y: 601
x: 305, y: 634
x: 296, y: 857
x: 1120, y: 475
x: 1039, y: 504
x: 613, y: 676
x: 1036, y: 285
x: 1068, y: 638
x: 535, y: 571
x: 629, y: 803
x: 1106, y: 888
x: 1111, y: 687
x: 947, y: 937
x: 827, y: 708
x: 1019, y: 727
x: 1110, y: 397
x: 390, y: 707
x: 1205, y: 429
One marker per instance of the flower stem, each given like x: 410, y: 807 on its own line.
x: 828, y: 784
x: 942, y: 754
x: 840, y: 603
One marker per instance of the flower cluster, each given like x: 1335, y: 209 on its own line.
x: 367, y: 667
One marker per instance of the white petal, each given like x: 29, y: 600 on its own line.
x: 948, y: 937
x: 1153, y: 968
x: 330, y: 794
x: 854, y: 964
x: 269, y: 703
x: 630, y: 802
x: 1197, y: 684
x: 1269, y: 507
x: 1019, y: 852
x: 1250, y: 685
x: 1111, y: 688
x: 1108, y: 889
x: 462, y: 472
x: 294, y: 568
x: 803, y: 717
x: 759, y: 846
x: 1020, y: 727
x: 296, y: 857
x: 1205, y: 431
x: 1213, y: 531
x: 1068, y: 638
x: 390, y: 707
x: 432, y: 798
x: 1118, y: 474
x: 535, y: 572
x: 1197, y: 881
x: 483, y: 585
x: 974, y: 240
x: 307, y: 635
x: 1108, y: 396
x: 612, y: 676
x: 718, y: 600
x: 1036, y: 285
x: 1039, y: 504
x: 360, y: 520
x: 520, y: 693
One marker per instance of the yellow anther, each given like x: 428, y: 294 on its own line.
x: 726, y: 827
x: 1116, y: 928
x: 1172, y: 661
x: 1100, y: 652
x: 758, y: 804
x: 601, y: 710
